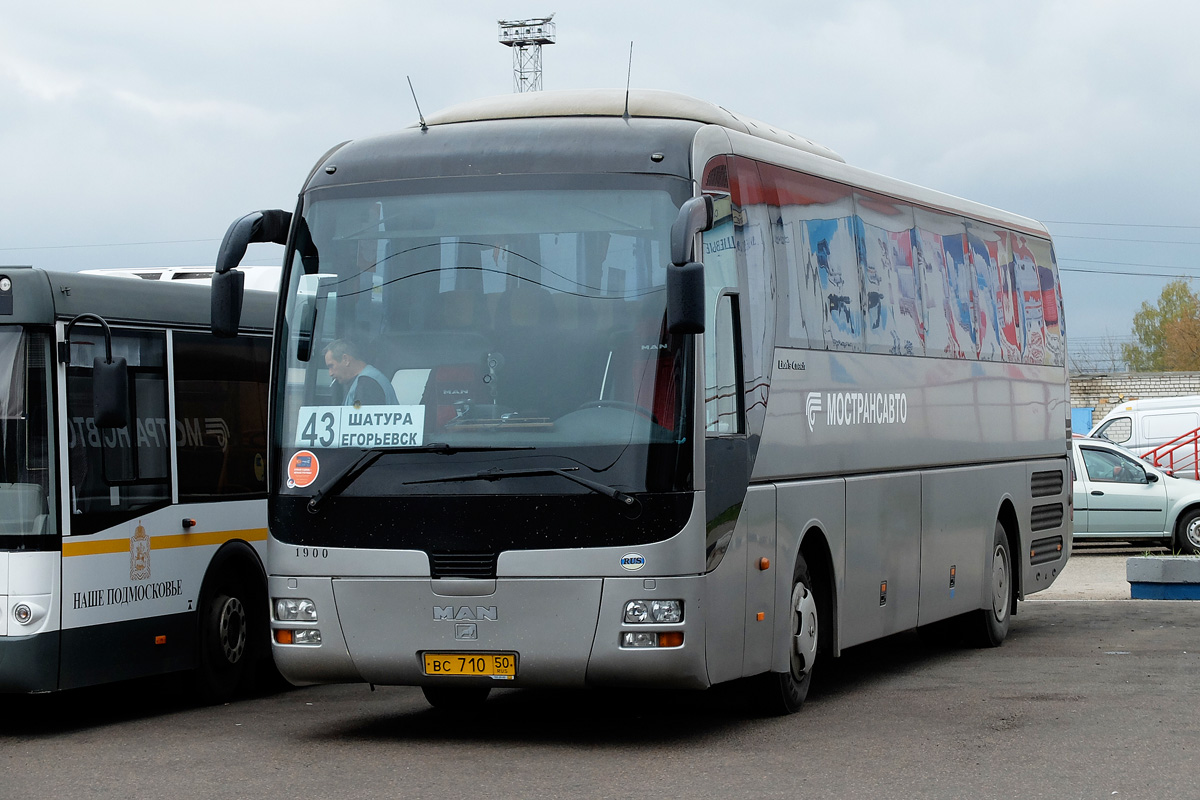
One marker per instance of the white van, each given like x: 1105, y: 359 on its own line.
x: 262, y: 278
x: 1141, y: 425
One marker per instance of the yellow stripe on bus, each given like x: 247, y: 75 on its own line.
x: 163, y: 542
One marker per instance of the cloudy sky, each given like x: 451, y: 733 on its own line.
x: 135, y: 132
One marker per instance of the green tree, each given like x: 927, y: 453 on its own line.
x: 1163, y: 333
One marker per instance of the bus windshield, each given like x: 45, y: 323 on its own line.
x: 25, y: 447
x: 485, y: 314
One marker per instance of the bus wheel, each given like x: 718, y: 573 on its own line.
x: 227, y: 648
x: 784, y: 692
x: 455, y: 698
x: 996, y: 617
x: 1187, y: 533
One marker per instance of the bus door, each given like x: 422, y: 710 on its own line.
x: 119, y: 495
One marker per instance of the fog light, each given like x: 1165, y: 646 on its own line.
x: 307, y: 636
x: 295, y: 609
x: 639, y: 639
x: 22, y: 613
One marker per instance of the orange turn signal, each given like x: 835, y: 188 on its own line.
x: 670, y: 639
x: 283, y: 637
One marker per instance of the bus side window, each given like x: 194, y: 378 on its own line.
x: 117, y: 473
x: 221, y: 415
x: 723, y: 399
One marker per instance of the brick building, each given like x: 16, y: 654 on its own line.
x: 1100, y: 392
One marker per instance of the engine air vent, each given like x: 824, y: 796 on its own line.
x: 1045, y: 517
x: 1043, y: 551
x: 462, y: 565
x: 1046, y: 484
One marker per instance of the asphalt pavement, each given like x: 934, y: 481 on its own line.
x: 1094, y: 700
x: 1095, y: 571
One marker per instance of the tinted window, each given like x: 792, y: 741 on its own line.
x: 221, y: 415
x: 117, y: 473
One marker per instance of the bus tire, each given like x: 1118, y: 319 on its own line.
x: 232, y: 631
x: 455, y: 698
x: 784, y: 692
x: 994, y: 620
x: 1187, y: 533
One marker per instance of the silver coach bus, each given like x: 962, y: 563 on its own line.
x: 679, y: 398
x: 133, y: 451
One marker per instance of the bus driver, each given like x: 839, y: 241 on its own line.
x: 365, y: 385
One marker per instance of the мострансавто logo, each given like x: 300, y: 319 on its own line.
x: 856, y: 408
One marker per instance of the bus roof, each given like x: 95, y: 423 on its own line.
x: 647, y: 103
x: 121, y: 300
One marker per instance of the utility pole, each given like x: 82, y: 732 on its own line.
x: 526, y: 37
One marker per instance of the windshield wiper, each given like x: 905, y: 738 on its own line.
x: 630, y: 502
x: 348, y: 474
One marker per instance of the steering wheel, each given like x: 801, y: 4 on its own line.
x: 621, y: 404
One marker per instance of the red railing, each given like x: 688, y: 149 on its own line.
x: 1180, y: 455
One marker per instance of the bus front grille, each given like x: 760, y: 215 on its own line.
x: 462, y: 565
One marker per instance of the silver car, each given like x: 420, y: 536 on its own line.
x: 1119, y: 496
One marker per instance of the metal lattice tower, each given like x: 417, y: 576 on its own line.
x: 526, y: 37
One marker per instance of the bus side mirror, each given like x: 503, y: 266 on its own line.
x: 228, y: 284
x: 110, y: 393
x: 685, y: 298
x: 227, y: 291
x: 110, y: 377
x: 685, y: 277
x: 695, y: 216
x: 304, y: 337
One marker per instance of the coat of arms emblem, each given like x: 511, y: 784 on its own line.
x: 139, y: 554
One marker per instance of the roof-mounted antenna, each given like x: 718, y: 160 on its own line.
x: 628, y: 76
x: 424, y: 127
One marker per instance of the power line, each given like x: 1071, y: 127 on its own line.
x: 1120, y: 224
x: 1127, y: 263
x: 114, y: 244
x: 1116, y: 239
x: 1133, y: 274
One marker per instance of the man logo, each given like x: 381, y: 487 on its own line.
x: 460, y: 613
x: 813, y: 407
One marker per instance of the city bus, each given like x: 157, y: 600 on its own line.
x: 681, y: 399
x: 133, y: 449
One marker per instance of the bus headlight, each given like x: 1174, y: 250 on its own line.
x: 22, y: 613
x: 295, y: 609
x: 653, y: 611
